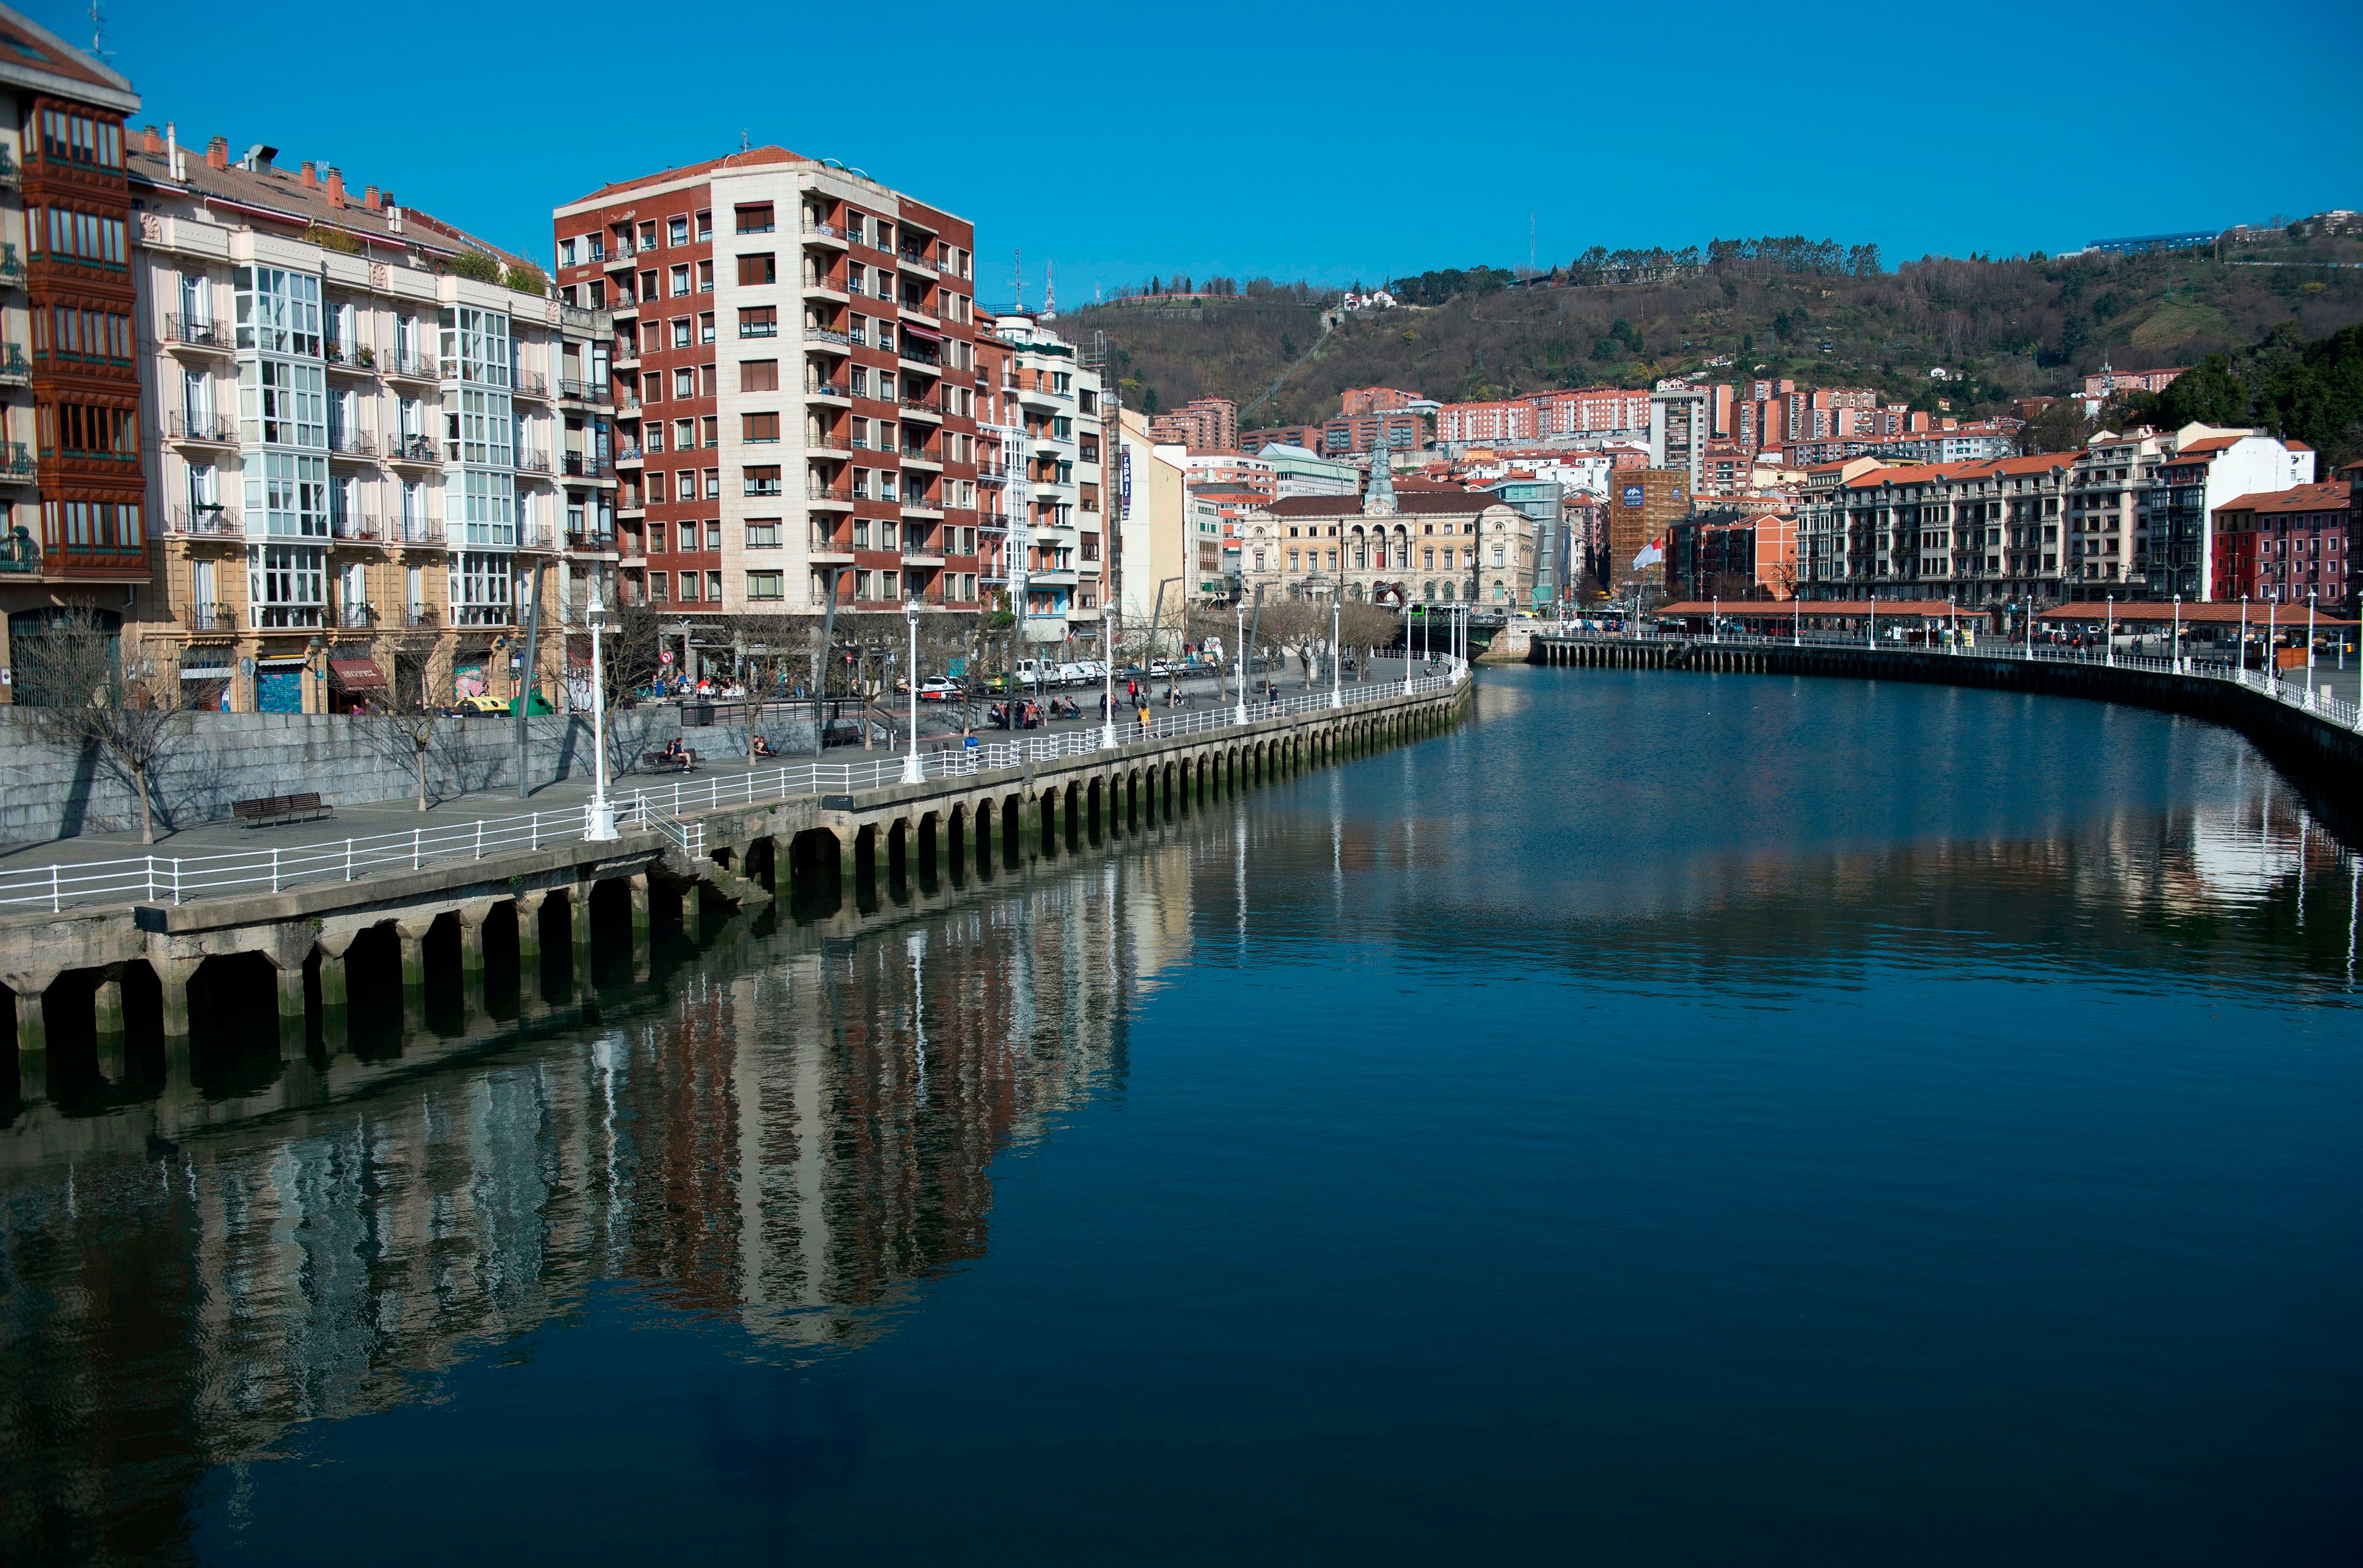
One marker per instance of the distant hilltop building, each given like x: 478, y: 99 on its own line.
x: 2108, y: 381
x: 1203, y: 424
x: 1377, y: 299
x: 2150, y: 244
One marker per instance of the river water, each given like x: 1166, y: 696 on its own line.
x: 1670, y: 1119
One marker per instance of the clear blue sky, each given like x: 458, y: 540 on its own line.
x: 1259, y: 139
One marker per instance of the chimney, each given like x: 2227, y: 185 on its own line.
x: 368, y: 198
x: 311, y: 176
x: 336, y: 188
x: 217, y: 153
x: 149, y: 142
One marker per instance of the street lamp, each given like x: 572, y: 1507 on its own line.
x: 1239, y: 653
x: 2309, y: 648
x: 1406, y: 599
x: 2109, y: 650
x: 2272, y: 651
x: 600, y: 825
x: 1107, y: 682
x: 912, y: 772
x: 1714, y: 618
x: 2176, y: 651
x: 1336, y: 695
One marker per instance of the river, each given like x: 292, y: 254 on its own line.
x: 1668, y: 1118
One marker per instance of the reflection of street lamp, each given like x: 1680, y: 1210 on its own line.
x: 1337, y: 696
x: 601, y: 823
x: 1108, y: 681
x: 912, y: 772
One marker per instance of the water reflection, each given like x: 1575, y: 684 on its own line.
x: 797, y: 1135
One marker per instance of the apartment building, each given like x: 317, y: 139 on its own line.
x: 1203, y: 424
x: 1305, y: 436
x: 1986, y: 531
x: 358, y: 482
x: 1356, y: 403
x: 2110, y: 499
x: 2206, y: 470
x: 1052, y: 420
x: 2109, y: 381
x: 74, y: 519
x: 794, y: 390
x: 1395, y: 430
x: 2288, y: 546
x: 1426, y: 545
x: 1153, y: 527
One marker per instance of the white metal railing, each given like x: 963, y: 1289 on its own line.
x: 2297, y: 694
x: 666, y: 811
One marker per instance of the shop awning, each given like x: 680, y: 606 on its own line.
x: 924, y: 334
x: 356, y: 674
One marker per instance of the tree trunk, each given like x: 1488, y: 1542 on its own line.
x: 422, y: 777
x: 147, y: 815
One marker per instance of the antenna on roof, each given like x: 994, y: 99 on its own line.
x: 1017, y: 262
x: 742, y: 139
x: 98, y: 26
x: 1049, y: 289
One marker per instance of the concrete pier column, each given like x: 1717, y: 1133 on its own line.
x: 638, y: 884
x: 528, y: 929
x: 32, y: 1036
x: 414, y: 974
x: 693, y: 910
x: 577, y: 914
x: 291, y: 1007
x: 472, y: 958
x: 107, y: 1023
x: 172, y: 977
x: 849, y: 857
x: 336, y: 1005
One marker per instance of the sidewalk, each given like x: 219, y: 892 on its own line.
x: 936, y: 722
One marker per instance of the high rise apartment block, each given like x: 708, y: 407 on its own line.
x: 795, y: 388
x: 71, y: 490
x: 1203, y: 424
x: 1048, y: 415
x: 1358, y: 403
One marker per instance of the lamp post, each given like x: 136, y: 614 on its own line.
x: 912, y: 773
x: 1107, y: 684
x: 2240, y: 655
x: 1797, y: 631
x: 2109, y: 648
x: 2309, y: 648
x: 1406, y: 599
x: 600, y: 825
x: 2272, y: 653
x: 2176, y: 651
x: 1336, y: 692
x: 1715, y: 617
x: 1239, y: 655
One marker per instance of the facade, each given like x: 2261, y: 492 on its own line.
x: 2291, y: 547
x: 1542, y: 503
x: 1203, y: 424
x: 1679, y: 432
x: 1734, y: 556
x: 1437, y: 545
x: 1305, y: 436
x: 71, y: 494
x: 2207, y: 469
x: 1394, y: 431
x: 1355, y: 402
x: 2109, y: 381
x: 1051, y: 418
x: 2109, y: 514
x: 360, y: 475
x: 1644, y: 504
x: 793, y: 401
x: 1154, y: 536
x: 1295, y: 471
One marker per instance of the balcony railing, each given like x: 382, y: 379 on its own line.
x: 411, y: 367
x: 416, y: 530
x: 351, y: 444
x: 533, y: 537
x: 828, y: 334
x: 12, y: 266
x: 917, y: 355
x: 418, y: 616
x: 356, y: 617
x: 921, y: 405
x: 281, y: 616
x: 15, y: 369
x: 588, y: 539
x: 585, y: 392
x: 356, y: 530
x: 831, y: 541
x: 198, y: 332
x: 16, y: 461
x: 204, y: 523
x: 209, y: 428
x: 529, y: 383
x: 628, y: 453
x: 214, y: 618
x: 362, y: 360
x: 827, y: 230
x: 413, y: 449
x: 529, y: 461
x: 843, y: 493
x: 825, y: 388
x: 9, y: 173
x: 624, y: 251
x: 579, y: 465
x: 482, y: 615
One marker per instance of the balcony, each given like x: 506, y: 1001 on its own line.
x: 421, y: 617
x: 617, y: 257
x: 414, y: 531
x: 355, y: 617
x: 198, y: 335
x: 581, y: 465
x: 828, y: 287
x: 992, y: 473
x: 284, y: 617
x: 921, y: 456
x: 923, y: 408
x: 829, y: 336
x: 628, y: 456
x: 834, y: 391
x: 352, y: 445
x: 829, y: 495
x: 916, y: 261
x: 628, y: 405
x: 414, y: 451
x: 482, y: 615
x: 350, y: 362
x: 920, y: 314
x: 9, y: 173
x: 17, y: 464
x: 214, y: 618
x: 356, y: 530
x: 585, y: 392
x: 831, y: 546
x: 584, y: 541
x: 411, y: 367
x: 1037, y: 397
x: 917, y: 354
x: 536, y: 537
x: 530, y: 383
x: 12, y: 267
x: 529, y: 461
x: 823, y: 234
x: 628, y: 358
x: 201, y: 429
x: 203, y: 522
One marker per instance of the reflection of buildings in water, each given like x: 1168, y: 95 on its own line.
x: 798, y: 1144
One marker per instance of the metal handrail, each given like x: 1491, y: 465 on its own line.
x: 158, y: 879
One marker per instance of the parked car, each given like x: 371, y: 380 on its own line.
x: 938, y: 689
x: 483, y: 707
x: 1073, y: 674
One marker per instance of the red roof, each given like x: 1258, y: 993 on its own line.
x: 687, y: 171
x: 2331, y: 495
x: 1828, y: 609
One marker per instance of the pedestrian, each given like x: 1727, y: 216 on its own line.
x: 1144, y: 717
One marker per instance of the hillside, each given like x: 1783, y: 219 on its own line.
x: 2006, y: 328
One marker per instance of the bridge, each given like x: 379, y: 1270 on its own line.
x: 141, y: 977
x: 2316, y: 738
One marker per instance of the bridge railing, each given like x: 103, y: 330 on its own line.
x: 2299, y: 694
x: 173, y: 879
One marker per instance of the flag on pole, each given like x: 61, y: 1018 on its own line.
x: 1652, y: 554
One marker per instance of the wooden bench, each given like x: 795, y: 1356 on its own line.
x: 266, y: 811
x: 686, y: 761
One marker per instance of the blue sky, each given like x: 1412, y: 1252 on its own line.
x: 1115, y: 142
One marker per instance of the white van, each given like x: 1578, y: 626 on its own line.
x: 1073, y: 674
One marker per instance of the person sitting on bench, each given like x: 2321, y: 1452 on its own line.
x: 680, y: 755
x: 763, y: 747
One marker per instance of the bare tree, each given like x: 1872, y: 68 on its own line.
x: 87, y: 687
x: 402, y: 718
x: 1365, y: 627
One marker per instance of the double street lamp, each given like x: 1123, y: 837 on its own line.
x: 600, y: 825
x: 912, y: 773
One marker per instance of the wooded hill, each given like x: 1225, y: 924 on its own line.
x: 1817, y: 313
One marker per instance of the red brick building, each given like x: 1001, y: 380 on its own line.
x: 2286, y: 545
x: 1359, y: 401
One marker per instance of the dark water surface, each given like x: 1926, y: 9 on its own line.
x: 1671, y: 1118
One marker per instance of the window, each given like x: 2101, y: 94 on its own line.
x: 652, y: 386
x: 714, y: 537
x: 765, y: 585
x: 659, y: 587
x: 754, y: 219
x: 763, y: 534
x: 677, y: 231
x: 286, y: 584
x: 758, y: 375
x: 648, y: 285
x: 685, y: 436
x: 70, y: 138
x: 684, y: 383
x: 762, y: 481
x: 278, y: 310
x: 282, y: 403
x: 759, y: 321
x: 756, y: 270
x: 760, y: 427
x: 566, y: 252
x: 679, y: 278
x: 713, y: 487
x: 705, y: 327
x: 714, y: 587
x: 689, y: 580
x: 681, y: 332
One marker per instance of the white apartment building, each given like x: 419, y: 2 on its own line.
x: 362, y: 469
x: 1059, y: 543
x: 2207, y: 468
